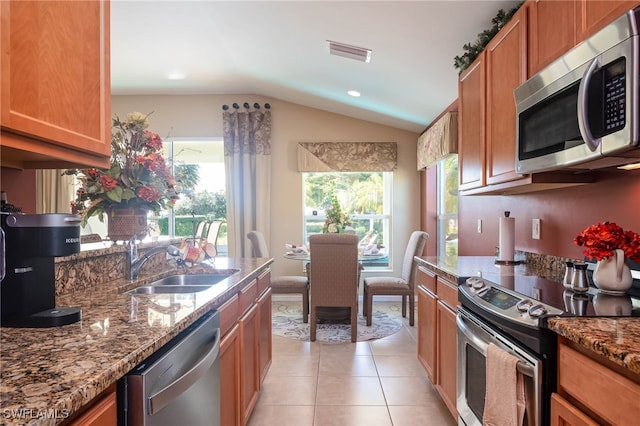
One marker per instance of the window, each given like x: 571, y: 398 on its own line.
x: 199, y: 171
x: 448, y: 207
x: 364, y: 196
x: 198, y: 166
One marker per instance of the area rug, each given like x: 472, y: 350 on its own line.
x: 287, y: 322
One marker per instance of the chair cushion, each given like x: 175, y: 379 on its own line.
x: 386, y: 283
x: 292, y: 283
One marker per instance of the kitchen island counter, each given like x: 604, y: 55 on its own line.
x: 615, y: 338
x: 47, y: 374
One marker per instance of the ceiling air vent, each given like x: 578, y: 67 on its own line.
x: 348, y: 51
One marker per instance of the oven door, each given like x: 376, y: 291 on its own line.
x: 474, y: 337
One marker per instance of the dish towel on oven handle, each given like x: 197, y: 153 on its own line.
x: 504, y: 403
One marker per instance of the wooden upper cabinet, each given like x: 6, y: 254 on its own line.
x: 471, y: 125
x: 506, y: 61
x: 595, y: 14
x: 556, y: 26
x: 55, y: 83
x: 552, y: 31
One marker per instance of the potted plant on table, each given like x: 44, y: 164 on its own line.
x: 138, y: 181
x: 335, y: 221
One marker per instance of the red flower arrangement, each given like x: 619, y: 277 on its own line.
x: 138, y: 177
x: 602, y: 239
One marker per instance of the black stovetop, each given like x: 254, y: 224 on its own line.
x: 592, y: 303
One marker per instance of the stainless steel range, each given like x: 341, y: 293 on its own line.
x: 511, y: 312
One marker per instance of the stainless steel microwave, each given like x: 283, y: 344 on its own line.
x: 581, y: 111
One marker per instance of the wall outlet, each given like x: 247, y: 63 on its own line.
x: 479, y: 226
x: 535, y: 229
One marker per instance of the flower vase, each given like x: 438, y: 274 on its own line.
x: 126, y: 223
x: 612, y: 275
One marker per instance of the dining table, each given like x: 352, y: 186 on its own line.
x: 333, y: 314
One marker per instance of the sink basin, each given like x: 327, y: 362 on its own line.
x: 195, y: 279
x: 168, y: 289
x: 184, y: 283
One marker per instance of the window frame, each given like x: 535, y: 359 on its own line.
x: 443, y: 216
x: 385, y: 217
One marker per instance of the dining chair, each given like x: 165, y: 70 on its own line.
x: 333, y: 277
x: 213, y: 232
x: 200, y: 229
x: 287, y: 284
x: 403, y: 286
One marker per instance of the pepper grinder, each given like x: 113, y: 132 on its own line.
x: 568, y: 274
x: 580, y: 282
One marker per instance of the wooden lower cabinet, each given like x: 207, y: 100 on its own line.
x: 565, y: 414
x: 264, y: 339
x: 104, y: 412
x: 249, y: 353
x: 437, y: 334
x: 245, y: 350
x: 427, y: 331
x: 590, y: 392
x: 446, y: 352
x: 230, y: 411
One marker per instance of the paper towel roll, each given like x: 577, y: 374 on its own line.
x: 507, y: 231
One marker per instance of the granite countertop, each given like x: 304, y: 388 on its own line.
x: 61, y: 369
x: 615, y: 338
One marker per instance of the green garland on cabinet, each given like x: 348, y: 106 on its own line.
x: 473, y: 50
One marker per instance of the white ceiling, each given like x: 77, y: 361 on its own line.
x: 278, y: 49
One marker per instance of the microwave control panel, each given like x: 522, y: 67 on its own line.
x: 614, y: 97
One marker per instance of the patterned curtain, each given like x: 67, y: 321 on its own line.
x: 347, y: 156
x: 439, y: 140
x: 247, y: 158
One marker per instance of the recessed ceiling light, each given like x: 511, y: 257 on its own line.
x: 348, y: 51
x: 353, y: 93
x: 176, y: 75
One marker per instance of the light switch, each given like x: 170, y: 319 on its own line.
x: 535, y: 229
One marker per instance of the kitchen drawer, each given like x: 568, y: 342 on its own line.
x: 447, y: 292
x: 229, y: 314
x: 426, y: 278
x: 264, y: 281
x: 604, y: 392
x: 248, y: 296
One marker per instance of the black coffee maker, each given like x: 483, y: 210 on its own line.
x: 27, y: 288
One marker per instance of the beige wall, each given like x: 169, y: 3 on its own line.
x: 201, y: 116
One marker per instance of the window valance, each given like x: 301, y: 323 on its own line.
x: 347, y: 156
x: 440, y: 140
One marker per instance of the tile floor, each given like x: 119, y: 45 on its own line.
x: 376, y: 383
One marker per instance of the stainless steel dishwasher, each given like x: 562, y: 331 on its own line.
x: 179, y: 384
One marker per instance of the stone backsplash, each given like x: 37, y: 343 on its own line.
x: 98, y: 265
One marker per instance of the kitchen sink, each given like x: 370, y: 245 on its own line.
x: 184, y: 283
x: 195, y: 279
x: 168, y: 289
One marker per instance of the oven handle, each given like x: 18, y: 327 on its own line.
x: 481, y: 345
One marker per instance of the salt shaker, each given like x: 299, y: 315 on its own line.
x: 580, y: 282
x: 568, y: 274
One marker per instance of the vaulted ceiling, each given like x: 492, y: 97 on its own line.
x: 278, y: 49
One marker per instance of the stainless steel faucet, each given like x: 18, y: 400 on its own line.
x: 136, y: 263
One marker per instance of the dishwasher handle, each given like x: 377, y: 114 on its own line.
x: 164, y: 396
